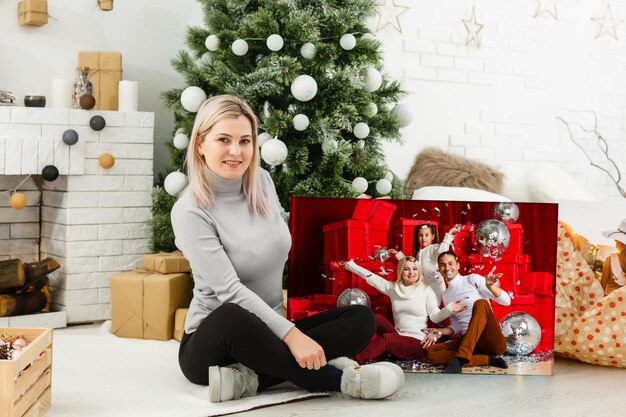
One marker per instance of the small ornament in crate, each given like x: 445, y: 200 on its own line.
x: 11, y: 346
x: 6, y: 98
x: 82, y: 86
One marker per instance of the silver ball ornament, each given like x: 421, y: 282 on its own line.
x: 275, y: 42
x: 175, y: 183
x: 347, y: 41
x: 274, y: 152
x: 308, y: 50
x: 372, y: 80
x: 383, y: 186
x: 192, y: 98
x: 491, y: 238
x: 361, y: 130
x: 506, y: 212
x: 181, y: 141
x: 239, y: 47
x: 212, y: 43
x: 359, y: 184
x: 353, y: 296
x: 521, y: 331
x: 304, y: 87
x: 381, y: 255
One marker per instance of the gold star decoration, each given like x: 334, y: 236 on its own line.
x: 473, y: 29
x: 388, y: 15
x: 607, y: 23
x: 547, y: 7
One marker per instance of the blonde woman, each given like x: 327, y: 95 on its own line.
x: 230, y: 226
x: 413, y: 302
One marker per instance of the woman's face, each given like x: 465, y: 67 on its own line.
x: 410, y: 273
x: 425, y: 237
x: 228, y: 148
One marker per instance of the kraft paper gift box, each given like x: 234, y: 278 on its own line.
x: 105, y: 73
x: 166, y: 263
x: 179, y: 323
x: 32, y: 12
x: 143, y: 303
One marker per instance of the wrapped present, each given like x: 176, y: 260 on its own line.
x: 509, y: 265
x: 105, y: 71
x: 166, y: 263
x: 516, y: 243
x: 349, y: 239
x: 373, y: 210
x: 32, y: 12
x: 179, y: 323
x: 143, y: 303
x: 462, y: 244
x: 403, y: 233
x: 540, y: 283
x: 105, y: 5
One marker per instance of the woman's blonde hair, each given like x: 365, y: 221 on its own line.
x: 401, y: 265
x: 210, y: 112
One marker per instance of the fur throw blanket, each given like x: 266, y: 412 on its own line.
x: 434, y: 167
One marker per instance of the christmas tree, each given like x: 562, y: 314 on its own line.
x: 311, y: 71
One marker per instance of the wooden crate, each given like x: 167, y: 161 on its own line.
x: 25, y: 382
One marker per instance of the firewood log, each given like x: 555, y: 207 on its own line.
x: 24, y: 303
x: 12, y: 274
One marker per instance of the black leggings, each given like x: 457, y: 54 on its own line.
x: 231, y: 334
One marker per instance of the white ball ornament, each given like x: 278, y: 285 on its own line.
x: 262, y: 138
x: 212, y: 43
x: 347, y: 41
x: 304, y: 87
x: 383, y: 186
x: 274, y: 152
x: 191, y: 98
x: 402, y: 113
x: 308, y: 50
x: 359, y: 184
x: 181, y: 141
x: 330, y: 145
x: 275, y: 42
x: 372, y: 109
x: 300, y: 122
x: 372, y: 80
x: 361, y: 130
x: 389, y: 175
x: 361, y: 144
x: 239, y: 47
x: 175, y: 183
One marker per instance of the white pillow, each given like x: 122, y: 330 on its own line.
x: 541, y: 183
x: 456, y: 194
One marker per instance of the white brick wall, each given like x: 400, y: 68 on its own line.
x: 498, y: 104
x: 93, y: 221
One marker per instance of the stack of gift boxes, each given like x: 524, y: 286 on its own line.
x: 151, y: 303
x: 371, y: 227
x: 356, y: 238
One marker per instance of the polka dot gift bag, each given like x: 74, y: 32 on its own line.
x: 588, y: 326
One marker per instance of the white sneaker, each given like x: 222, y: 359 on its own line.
x: 395, y: 368
x: 374, y: 381
x: 231, y: 382
x: 343, y: 362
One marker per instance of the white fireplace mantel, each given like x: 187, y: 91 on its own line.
x: 92, y: 220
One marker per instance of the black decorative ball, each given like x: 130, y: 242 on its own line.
x: 50, y: 173
x: 97, y: 123
x: 70, y: 137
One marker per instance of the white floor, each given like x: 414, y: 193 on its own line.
x: 98, y: 374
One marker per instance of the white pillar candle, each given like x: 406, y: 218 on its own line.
x: 61, y: 93
x: 128, y: 95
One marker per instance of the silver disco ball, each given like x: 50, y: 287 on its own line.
x: 381, y: 255
x: 353, y: 296
x: 491, y: 238
x: 506, y: 212
x: 521, y: 332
